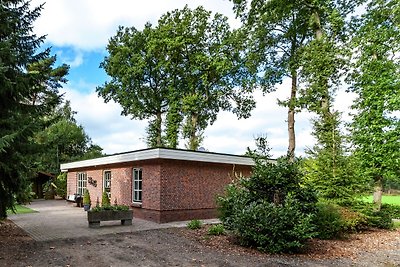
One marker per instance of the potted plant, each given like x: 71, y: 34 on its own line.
x: 86, y: 200
x: 105, y: 200
x: 109, y: 213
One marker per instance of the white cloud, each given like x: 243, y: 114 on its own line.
x: 89, y: 24
x: 82, y: 26
x: 74, y: 61
x: 117, y: 133
x: 230, y: 135
x: 104, y: 124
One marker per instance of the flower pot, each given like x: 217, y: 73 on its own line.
x: 95, y: 217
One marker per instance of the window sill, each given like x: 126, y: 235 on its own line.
x: 136, y: 204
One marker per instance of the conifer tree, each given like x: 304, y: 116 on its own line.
x: 28, y: 90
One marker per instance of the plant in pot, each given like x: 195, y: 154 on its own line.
x: 109, y: 213
x: 86, y: 200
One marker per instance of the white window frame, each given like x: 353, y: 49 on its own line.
x: 137, y: 183
x: 107, y: 186
x: 81, y: 182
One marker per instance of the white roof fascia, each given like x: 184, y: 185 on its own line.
x: 205, y: 157
x: 160, y: 153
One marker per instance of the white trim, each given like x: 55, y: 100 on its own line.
x: 160, y: 153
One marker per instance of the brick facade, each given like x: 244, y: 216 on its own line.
x: 172, y: 190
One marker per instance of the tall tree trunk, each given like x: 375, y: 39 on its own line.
x: 325, y: 96
x: 159, y: 129
x: 193, y: 138
x: 378, y: 192
x: 291, y: 121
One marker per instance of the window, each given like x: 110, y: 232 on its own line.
x: 82, y: 181
x: 137, y: 185
x: 107, y: 183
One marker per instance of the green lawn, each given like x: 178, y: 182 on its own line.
x: 395, y: 200
x: 19, y: 209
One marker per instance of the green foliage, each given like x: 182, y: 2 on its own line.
x: 105, y: 200
x: 24, y: 195
x: 332, y: 173
x: 194, y: 224
x: 376, y: 218
x: 392, y: 210
x: 188, y: 67
x: 328, y: 221
x: 334, y: 221
x: 113, y: 208
x: 376, y: 80
x: 63, y: 140
x: 271, y: 210
x: 29, y: 91
x: 61, y: 183
x: 86, y: 197
x: 217, y: 229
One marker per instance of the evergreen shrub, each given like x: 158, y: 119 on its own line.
x: 271, y: 210
x: 86, y: 197
x: 105, y: 200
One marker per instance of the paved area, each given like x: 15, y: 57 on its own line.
x: 58, y: 219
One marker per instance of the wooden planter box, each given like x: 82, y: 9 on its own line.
x: 94, y: 218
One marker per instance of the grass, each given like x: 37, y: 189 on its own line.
x: 394, y: 200
x: 396, y: 224
x: 19, y: 209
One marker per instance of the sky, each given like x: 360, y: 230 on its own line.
x: 78, y: 32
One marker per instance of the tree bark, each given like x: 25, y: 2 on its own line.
x: 193, y: 142
x: 159, y: 130
x: 291, y: 121
x: 378, y: 192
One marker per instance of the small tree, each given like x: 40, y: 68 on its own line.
x: 329, y: 169
x: 105, y: 200
x: 86, y: 197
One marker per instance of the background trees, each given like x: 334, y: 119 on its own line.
x: 140, y: 80
x: 375, y: 129
x: 29, y: 83
x: 276, y: 34
x: 184, y: 71
x: 63, y: 140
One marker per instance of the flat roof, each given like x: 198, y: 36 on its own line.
x: 160, y: 153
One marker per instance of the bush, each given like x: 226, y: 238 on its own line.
x: 61, y: 183
x: 217, y: 229
x: 353, y: 221
x: 105, y: 200
x: 379, y: 219
x: 333, y: 221
x: 194, y: 224
x: 328, y: 221
x: 271, y: 210
x: 392, y: 210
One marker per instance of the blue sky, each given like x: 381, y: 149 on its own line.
x: 78, y: 32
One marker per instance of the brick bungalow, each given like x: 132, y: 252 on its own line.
x: 160, y: 184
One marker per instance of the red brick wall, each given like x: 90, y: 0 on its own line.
x: 71, y: 183
x: 172, y: 190
x: 189, y: 185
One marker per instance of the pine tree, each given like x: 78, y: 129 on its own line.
x: 28, y: 91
